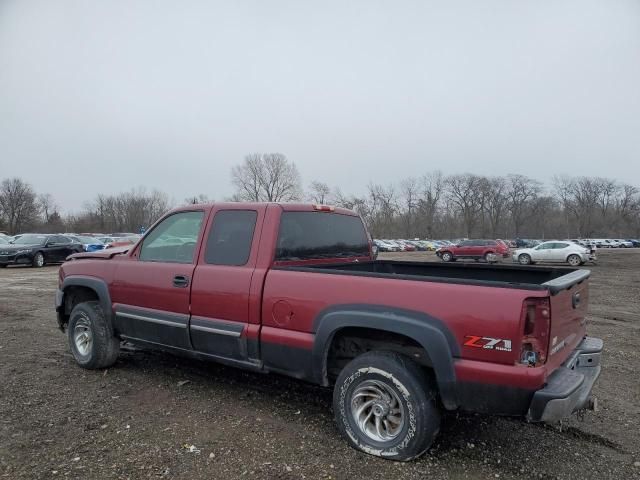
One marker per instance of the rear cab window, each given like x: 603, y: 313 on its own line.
x: 320, y: 235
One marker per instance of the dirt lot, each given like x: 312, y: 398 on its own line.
x: 134, y: 420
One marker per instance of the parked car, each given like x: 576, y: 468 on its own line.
x: 624, y: 243
x: 89, y: 244
x: 474, y: 249
x: 634, y: 242
x: 385, y: 246
x: 3, y: 240
x: 554, y: 251
x: 292, y: 289
x: 37, y: 250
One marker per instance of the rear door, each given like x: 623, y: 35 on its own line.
x: 222, y: 282
x: 150, y: 292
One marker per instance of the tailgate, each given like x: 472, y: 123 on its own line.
x: 569, y: 306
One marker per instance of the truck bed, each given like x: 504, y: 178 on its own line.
x: 553, y: 279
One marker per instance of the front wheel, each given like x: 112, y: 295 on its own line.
x: 574, y: 260
x: 384, y: 406
x: 447, y: 257
x: 92, y: 343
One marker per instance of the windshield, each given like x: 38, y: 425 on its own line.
x: 31, y: 240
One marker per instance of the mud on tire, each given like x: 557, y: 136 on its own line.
x: 91, y: 341
x: 400, y: 386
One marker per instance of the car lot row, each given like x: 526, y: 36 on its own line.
x: 574, y: 252
x: 38, y: 249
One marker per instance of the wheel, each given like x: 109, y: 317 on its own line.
x: 447, y: 257
x: 574, y: 260
x: 4, y: 265
x: 384, y: 406
x: 92, y: 343
x: 524, y: 259
x: 38, y: 260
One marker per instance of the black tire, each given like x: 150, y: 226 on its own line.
x: 103, y: 347
x: 4, y: 265
x: 400, y: 377
x: 487, y: 256
x: 447, y: 257
x: 524, y: 259
x: 38, y: 260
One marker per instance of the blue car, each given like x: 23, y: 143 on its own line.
x: 90, y: 244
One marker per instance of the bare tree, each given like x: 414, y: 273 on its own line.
x: 47, y: 205
x: 409, y: 190
x: 431, y: 186
x: 494, y: 195
x: 319, y: 192
x: 266, y: 177
x: 521, y: 191
x: 465, y: 193
x: 18, y: 204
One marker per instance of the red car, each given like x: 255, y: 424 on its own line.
x: 474, y: 249
x: 293, y: 289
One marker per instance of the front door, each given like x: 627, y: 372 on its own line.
x: 221, y: 292
x: 150, y: 293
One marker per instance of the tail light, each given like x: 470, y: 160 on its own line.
x: 536, y: 322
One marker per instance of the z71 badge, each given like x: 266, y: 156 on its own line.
x: 488, y: 343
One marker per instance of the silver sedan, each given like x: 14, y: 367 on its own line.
x: 554, y: 251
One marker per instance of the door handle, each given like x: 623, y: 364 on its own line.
x: 180, y: 281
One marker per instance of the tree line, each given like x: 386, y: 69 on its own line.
x: 431, y: 205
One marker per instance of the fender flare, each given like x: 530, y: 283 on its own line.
x: 431, y: 333
x: 97, y: 285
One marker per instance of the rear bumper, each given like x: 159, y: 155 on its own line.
x: 568, y: 389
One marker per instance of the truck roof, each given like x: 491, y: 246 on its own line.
x: 287, y: 207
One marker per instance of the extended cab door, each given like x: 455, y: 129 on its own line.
x: 150, y: 292
x: 222, y: 285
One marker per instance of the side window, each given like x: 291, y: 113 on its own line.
x: 174, y: 239
x: 230, y: 238
x: 560, y: 245
x: 466, y: 243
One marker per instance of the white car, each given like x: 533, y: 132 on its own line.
x: 554, y: 251
x: 624, y: 243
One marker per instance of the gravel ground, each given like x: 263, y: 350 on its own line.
x: 154, y: 415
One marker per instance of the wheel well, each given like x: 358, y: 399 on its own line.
x: 350, y: 342
x: 73, y: 296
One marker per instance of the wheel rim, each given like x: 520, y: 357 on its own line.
x: 82, y: 336
x: 446, y: 257
x: 377, y: 411
x: 39, y: 259
x: 524, y: 259
x: 573, y: 260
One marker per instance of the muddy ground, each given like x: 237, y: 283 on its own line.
x: 137, y: 419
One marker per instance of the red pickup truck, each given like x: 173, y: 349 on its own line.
x: 293, y: 289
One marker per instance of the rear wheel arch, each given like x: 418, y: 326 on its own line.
x: 417, y: 329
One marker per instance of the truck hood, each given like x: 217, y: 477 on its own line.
x: 106, y: 254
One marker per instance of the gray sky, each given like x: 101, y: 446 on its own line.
x: 102, y: 96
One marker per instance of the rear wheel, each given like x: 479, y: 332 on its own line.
x: 447, y: 257
x: 38, y: 260
x: 92, y: 343
x: 574, y: 260
x: 489, y: 257
x: 524, y: 259
x: 384, y: 406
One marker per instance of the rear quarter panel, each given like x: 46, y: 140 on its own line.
x: 293, y: 300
